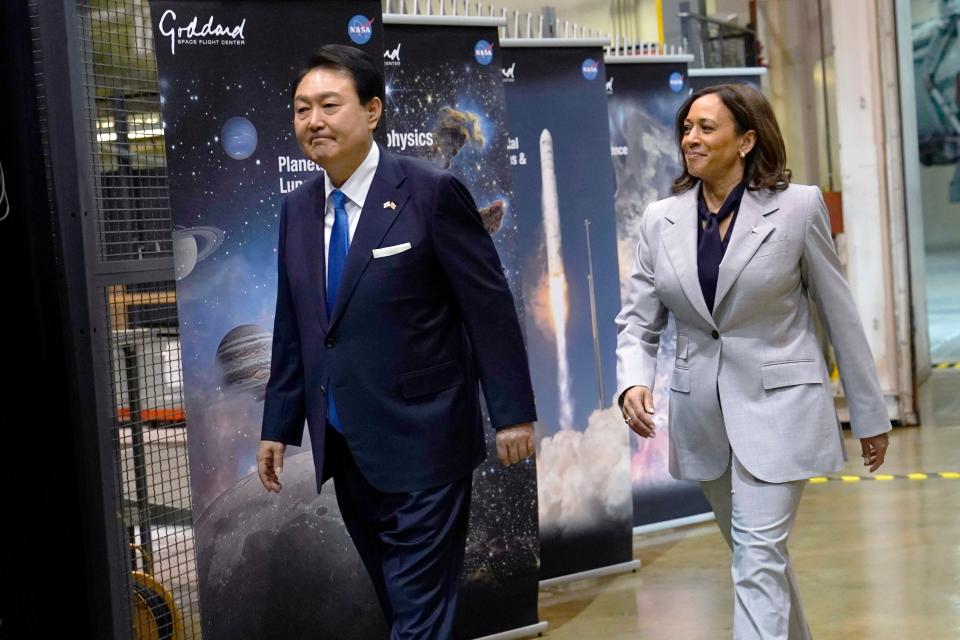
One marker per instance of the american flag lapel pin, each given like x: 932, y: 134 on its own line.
x: 390, y: 204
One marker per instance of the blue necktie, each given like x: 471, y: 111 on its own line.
x: 339, y: 244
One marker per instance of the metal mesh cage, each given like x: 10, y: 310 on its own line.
x: 123, y: 118
x: 152, y: 458
x: 128, y: 183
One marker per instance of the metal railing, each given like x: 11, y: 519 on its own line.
x: 717, y: 43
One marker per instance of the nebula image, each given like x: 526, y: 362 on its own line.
x: 492, y: 215
x: 454, y: 129
x: 449, y: 111
x: 644, y: 176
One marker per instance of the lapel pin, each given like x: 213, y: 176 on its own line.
x: 390, y: 204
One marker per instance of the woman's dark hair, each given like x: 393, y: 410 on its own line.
x: 367, y: 78
x: 766, y: 164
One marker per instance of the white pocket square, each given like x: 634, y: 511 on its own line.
x: 383, y: 252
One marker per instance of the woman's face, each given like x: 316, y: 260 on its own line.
x: 710, y: 144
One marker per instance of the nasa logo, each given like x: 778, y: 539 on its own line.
x: 483, y: 52
x: 360, y: 29
x: 590, y: 69
x: 676, y: 82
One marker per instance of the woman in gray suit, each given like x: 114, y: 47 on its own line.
x: 737, y: 254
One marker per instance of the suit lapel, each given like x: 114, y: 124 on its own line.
x: 313, y: 237
x: 680, y: 242
x: 375, y: 221
x: 749, y: 232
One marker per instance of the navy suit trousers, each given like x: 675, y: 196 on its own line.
x: 412, y: 544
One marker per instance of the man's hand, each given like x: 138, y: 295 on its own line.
x: 270, y: 464
x: 638, y: 411
x: 515, y: 443
x: 874, y: 450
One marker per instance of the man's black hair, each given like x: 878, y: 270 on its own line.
x: 367, y: 78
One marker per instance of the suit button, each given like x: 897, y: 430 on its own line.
x: 329, y: 343
x: 715, y: 334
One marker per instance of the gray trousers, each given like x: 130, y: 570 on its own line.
x: 755, y: 518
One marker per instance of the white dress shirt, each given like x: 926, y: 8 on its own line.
x: 355, y: 188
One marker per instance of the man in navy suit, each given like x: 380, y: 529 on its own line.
x: 391, y: 307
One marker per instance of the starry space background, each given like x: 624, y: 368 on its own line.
x: 201, y: 88
x: 502, y: 561
x: 232, y: 294
x: 584, y: 524
x: 642, y: 109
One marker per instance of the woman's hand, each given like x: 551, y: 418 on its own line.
x: 874, y: 450
x: 638, y: 411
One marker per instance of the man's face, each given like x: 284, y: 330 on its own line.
x: 332, y: 127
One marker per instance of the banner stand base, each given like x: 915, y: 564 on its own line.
x: 520, y: 632
x: 672, y: 524
x: 609, y: 570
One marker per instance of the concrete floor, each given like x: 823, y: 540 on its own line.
x: 875, y: 559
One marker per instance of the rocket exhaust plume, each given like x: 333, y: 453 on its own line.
x: 556, y: 277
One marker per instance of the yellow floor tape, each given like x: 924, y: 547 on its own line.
x: 944, y: 475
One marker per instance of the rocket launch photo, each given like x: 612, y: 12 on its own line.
x: 567, y: 242
x: 557, y: 292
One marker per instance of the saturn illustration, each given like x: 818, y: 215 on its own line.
x: 193, y: 245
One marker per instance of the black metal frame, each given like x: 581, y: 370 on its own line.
x: 48, y: 556
x: 694, y: 29
x: 83, y: 276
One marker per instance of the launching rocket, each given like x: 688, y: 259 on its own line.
x: 556, y: 276
x: 550, y: 204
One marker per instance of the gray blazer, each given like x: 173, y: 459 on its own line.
x: 752, y: 375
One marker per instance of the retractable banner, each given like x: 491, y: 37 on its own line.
x: 703, y: 78
x: 559, y: 149
x: 644, y: 94
x: 445, y: 104
x: 269, y: 566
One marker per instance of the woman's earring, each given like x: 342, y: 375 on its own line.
x: 742, y: 155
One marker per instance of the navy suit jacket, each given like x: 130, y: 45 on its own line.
x: 409, y: 337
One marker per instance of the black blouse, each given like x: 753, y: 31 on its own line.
x: 710, y: 248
